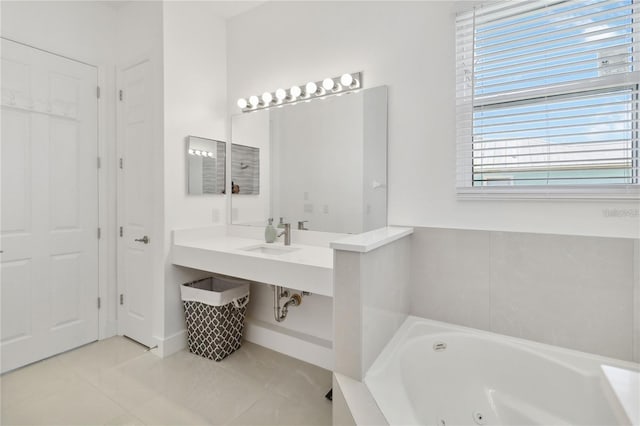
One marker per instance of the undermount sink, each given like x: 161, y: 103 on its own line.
x: 270, y: 249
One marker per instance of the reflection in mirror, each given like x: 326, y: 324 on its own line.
x: 245, y: 169
x: 206, y: 170
x: 323, y: 162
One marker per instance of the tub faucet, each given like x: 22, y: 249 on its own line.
x: 287, y: 234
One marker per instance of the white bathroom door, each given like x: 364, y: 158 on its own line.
x: 135, y: 203
x: 49, y: 196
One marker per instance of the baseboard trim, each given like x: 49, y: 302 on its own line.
x: 171, y: 344
x: 297, y: 345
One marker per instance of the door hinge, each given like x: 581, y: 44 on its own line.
x: 122, y: 299
x: 121, y: 163
x: 120, y: 95
x: 121, y: 231
x: 99, y: 162
x: 99, y: 233
x: 99, y: 304
x: 98, y: 92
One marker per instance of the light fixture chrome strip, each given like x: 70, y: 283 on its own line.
x: 313, y: 89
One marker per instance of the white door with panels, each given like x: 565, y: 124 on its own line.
x: 49, y: 194
x: 135, y: 202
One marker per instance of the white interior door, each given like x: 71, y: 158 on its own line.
x: 48, y: 231
x: 135, y: 197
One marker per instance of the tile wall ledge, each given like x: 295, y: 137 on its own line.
x: 368, y: 241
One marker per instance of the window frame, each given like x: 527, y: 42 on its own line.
x: 464, y: 159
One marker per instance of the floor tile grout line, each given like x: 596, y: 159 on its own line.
x: 261, y: 388
x: 104, y: 394
x: 69, y: 375
x: 109, y: 369
x: 246, y: 410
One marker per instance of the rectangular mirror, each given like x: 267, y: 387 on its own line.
x: 206, y: 166
x: 323, y: 162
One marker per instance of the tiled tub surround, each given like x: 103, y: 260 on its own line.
x: 576, y: 292
x: 371, y: 295
x: 371, y: 301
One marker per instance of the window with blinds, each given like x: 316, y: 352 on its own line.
x: 547, y: 96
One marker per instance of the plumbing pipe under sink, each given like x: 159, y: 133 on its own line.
x: 280, y: 312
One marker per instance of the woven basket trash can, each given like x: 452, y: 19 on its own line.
x: 215, y: 309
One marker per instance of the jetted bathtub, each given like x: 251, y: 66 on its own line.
x: 433, y: 373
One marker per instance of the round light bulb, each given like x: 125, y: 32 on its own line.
x: 346, y: 80
x: 210, y: 154
x: 191, y: 151
x: 295, y: 92
x: 328, y: 84
x: 267, y: 98
x: 281, y: 94
x: 254, y: 101
x: 310, y: 88
x: 242, y: 103
x: 198, y: 152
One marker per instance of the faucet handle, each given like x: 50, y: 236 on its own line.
x: 301, y: 225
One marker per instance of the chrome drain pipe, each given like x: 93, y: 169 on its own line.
x: 280, y: 312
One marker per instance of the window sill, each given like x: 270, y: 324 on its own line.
x: 629, y: 193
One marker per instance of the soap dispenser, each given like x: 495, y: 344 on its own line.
x: 281, y: 224
x: 270, y: 232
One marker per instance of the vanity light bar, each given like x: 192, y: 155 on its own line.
x: 311, y: 90
x: 201, y: 153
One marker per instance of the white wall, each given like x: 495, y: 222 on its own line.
x: 80, y: 30
x: 83, y: 31
x: 194, y: 104
x: 408, y: 46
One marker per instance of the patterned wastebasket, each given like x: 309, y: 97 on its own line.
x: 215, y: 308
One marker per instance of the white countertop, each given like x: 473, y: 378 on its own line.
x: 371, y: 240
x: 321, y: 257
x: 222, y: 250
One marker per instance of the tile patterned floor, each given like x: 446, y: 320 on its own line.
x: 117, y: 382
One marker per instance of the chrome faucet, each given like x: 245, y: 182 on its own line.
x: 301, y: 225
x: 287, y: 234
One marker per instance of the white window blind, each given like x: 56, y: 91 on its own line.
x: 547, y: 97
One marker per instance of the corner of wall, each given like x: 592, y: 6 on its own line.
x: 194, y: 87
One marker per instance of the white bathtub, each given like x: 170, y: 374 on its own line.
x: 434, y: 373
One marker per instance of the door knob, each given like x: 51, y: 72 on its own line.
x: 144, y: 239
